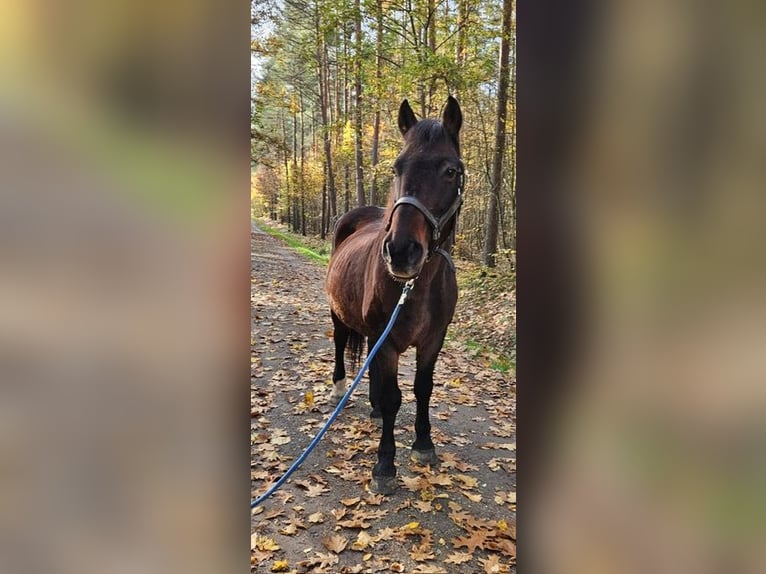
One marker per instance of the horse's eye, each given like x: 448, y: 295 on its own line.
x: 451, y: 172
x: 393, y: 171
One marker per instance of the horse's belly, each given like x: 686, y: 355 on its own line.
x: 346, y: 277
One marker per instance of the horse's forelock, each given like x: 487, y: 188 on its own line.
x: 427, y: 133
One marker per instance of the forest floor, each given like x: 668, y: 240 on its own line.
x: 457, y: 518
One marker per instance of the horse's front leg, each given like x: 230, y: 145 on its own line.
x: 423, y: 451
x: 375, y: 414
x: 387, y: 396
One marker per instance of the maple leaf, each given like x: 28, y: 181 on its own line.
x: 280, y: 566
x: 335, y: 543
x: 458, y: 558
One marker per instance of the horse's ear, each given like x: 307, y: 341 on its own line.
x: 407, y: 117
x: 452, y: 118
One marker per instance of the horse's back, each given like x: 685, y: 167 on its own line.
x: 354, y: 220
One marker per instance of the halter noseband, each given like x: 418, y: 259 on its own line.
x: 437, y: 224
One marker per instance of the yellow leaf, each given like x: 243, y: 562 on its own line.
x: 502, y: 525
x: 412, y: 525
x: 280, y: 566
x: 262, y: 543
x: 309, y: 398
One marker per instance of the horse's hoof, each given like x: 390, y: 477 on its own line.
x: 338, y: 392
x: 377, y: 417
x: 425, y: 457
x: 383, y: 485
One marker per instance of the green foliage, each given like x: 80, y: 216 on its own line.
x: 420, y: 55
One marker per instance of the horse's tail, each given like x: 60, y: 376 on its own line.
x: 354, y: 348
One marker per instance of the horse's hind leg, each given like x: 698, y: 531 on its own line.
x: 340, y: 338
x: 423, y: 451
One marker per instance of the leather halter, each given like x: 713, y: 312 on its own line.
x: 437, y: 223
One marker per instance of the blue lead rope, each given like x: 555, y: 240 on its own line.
x: 405, y: 292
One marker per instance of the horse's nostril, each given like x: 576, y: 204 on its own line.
x: 386, y: 252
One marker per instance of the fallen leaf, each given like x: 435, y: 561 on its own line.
x: 335, y: 543
x: 440, y: 480
x: 421, y: 553
x: 280, y: 566
x: 363, y: 541
x: 411, y: 525
x: 316, y: 518
x: 458, y: 558
x: 263, y: 543
x: 288, y: 530
x: 316, y: 490
x: 468, y: 481
x: 477, y: 539
x: 470, y: 496
x: 350, y: 501
x: 492, y: 565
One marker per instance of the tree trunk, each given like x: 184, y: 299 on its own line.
x: 490, y: 238
x: 285, y: 217
x: 328, y: 190
x: 358, y: 104
x: 378, y: 89
x: 302, y: 178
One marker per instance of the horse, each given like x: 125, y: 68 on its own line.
x: 374, y: 252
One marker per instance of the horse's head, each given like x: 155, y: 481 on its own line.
x: 427, y: 190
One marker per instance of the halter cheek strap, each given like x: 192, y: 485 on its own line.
x: 437, y: 225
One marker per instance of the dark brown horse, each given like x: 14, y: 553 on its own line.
x: 374, y: 252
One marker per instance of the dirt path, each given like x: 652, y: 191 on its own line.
x: 457, y: 518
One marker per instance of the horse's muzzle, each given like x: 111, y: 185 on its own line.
x: 404, y: 259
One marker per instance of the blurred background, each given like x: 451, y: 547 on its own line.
x: 656, y: 422
x: 123, y: 292
x: 123, y: 286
